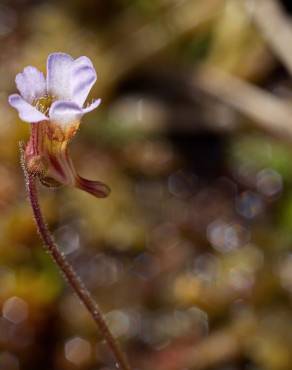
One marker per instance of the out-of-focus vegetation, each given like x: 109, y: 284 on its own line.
x: 191, y: 255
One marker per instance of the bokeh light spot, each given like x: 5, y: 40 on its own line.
x: 77, y: 350
x: 269, y: 182
x: 249, y: 204
x: 226, y: 237
x: 15, y: 310
x: 118, y: 322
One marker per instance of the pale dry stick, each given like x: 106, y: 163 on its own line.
x: 219, y: 347
x: 267, y: 111
x: 222, y: 345
x: 66, y: 268
x: 275, y: 26
x: 175, y: 23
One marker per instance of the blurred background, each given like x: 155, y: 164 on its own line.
x: 190, y: 257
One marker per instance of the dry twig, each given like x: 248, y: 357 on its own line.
x: 276, y: 27
x: 269, y: 112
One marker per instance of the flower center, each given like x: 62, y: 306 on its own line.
x: 44, y: 103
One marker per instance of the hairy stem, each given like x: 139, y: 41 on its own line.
x: 68, y: 271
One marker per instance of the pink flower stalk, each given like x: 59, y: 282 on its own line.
x: 54, y: 106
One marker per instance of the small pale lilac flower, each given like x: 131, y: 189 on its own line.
x: 54, y: 106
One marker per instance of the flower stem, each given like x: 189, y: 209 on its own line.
x: 68, y: 271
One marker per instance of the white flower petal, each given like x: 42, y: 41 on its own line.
x: 65, y: 113
x: 59, y: 71
x: 26, y: 112
x: 31, y: 84
x: 69, y: 79
x: 83, y: 78
x: 92, y: 106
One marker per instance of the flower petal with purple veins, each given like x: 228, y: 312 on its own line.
x: 92, y: 106
x: 96, y: 188
x: 83, y: 78
x: 65, y: 113
x: 31, y: 84
x: 26, y: 112
x: 61, y: 97
x: 59, y: 68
